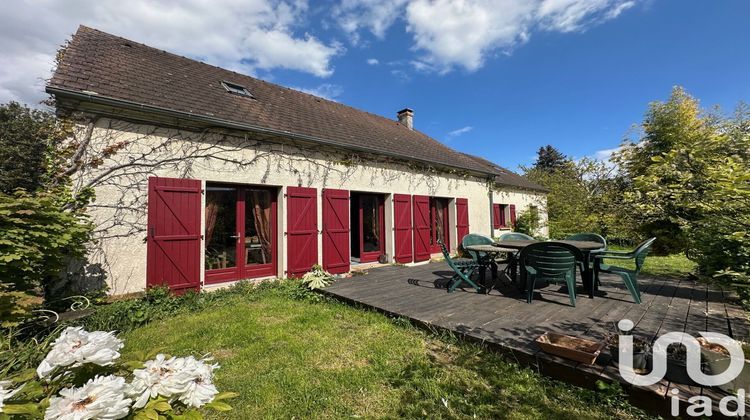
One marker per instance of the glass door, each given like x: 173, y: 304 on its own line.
x: 240, y: 233
x: 371, y: 215
x: 439, y: 226
x: 259, y: 241
x: 221, y: 232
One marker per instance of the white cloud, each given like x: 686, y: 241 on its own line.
x: 373, y: 61
x: 243, y: 35
x: 576, y: 15
x: 328, y: 91
x: 374, y: 15
x: 605, y: 154
x: 459, y: 132
x: 463, y: 33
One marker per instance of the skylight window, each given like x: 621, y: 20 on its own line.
x: 236, y: 89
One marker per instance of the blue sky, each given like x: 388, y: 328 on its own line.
x: 497, y: 78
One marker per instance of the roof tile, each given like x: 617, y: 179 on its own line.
x: 120, y: 69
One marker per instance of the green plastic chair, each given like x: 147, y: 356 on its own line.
x: 513, y: 258
x: 629, y: 276
x: 591, y: 237
x: 515, y: 236
x: 463, y: 268
x: 476, y: 239
x: 553, y: 262
x: 482, y: 258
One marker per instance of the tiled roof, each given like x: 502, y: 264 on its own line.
x: 109, y: 67
x: 506, y: 177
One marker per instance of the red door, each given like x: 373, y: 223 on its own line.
x: 336, y: 231
x: 462, y: 218
x: 402, y: 227
x: 422, y: 218
x: 302, y: 230
x: 174, y: 233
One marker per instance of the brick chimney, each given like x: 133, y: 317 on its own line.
x: 406, y: 117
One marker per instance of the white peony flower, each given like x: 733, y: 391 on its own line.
x: 100, y: 398
x: 179, y: 378
x: 6, y: 393
x: 76, y: 347
x: 201, y: 390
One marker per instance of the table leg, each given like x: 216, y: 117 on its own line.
x: 588, y: 275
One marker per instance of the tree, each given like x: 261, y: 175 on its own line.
x: 584, y: 196
x: 550, y: 159
x: 691, y: 170
x: 26, y: 137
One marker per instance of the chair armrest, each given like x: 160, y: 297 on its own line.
x: 615, y: 257
x: 531, y: 270
x: 607, y: 251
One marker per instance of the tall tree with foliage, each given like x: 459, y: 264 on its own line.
x: 26, y: 138
x: 550, y: 159
x: 40, y: 232
x: 691, y: 170
x: 583, y: 195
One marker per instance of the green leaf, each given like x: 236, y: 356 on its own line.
x: 151, y: 414
x: 225, y: 396
x: 161, y: 406
x: 24, y: 376
x: 219, y: 406
x: 27, y: 408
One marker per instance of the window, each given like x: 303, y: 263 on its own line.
x: 236, y: 89
x: 498, y: 216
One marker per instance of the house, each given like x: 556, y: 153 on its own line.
x: 203, y: 176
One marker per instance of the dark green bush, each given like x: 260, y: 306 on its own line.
x: 528, y: 222
x: 37, y: 241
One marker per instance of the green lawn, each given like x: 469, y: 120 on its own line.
x: 290, y: 355
x: 675, y: 265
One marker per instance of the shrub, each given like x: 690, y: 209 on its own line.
x: 26, y: 139
x: 37, y: 241
x: 528, y: 222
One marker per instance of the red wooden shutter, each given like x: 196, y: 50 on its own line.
x: 302, y: 230
x: 174, y: 233
x: 496, y: 216
x: 336, y: 252
x: 462, y: 219
x: 421, y: 227
x: 402, y: 227
x: 513, y: 216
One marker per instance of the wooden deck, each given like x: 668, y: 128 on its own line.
x: 504, y: 321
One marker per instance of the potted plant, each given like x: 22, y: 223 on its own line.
x: 641, y: 352
x: 716, y: 359
x: 676, y: 364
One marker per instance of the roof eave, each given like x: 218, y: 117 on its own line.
x: 109, y: 101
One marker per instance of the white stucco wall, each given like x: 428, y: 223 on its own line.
x: 119, y: 211
x: 522, y: 199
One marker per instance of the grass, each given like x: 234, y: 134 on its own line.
x: 294, y: 355
x: 675, y: 265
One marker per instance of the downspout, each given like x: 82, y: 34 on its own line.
x: 489, y: 188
